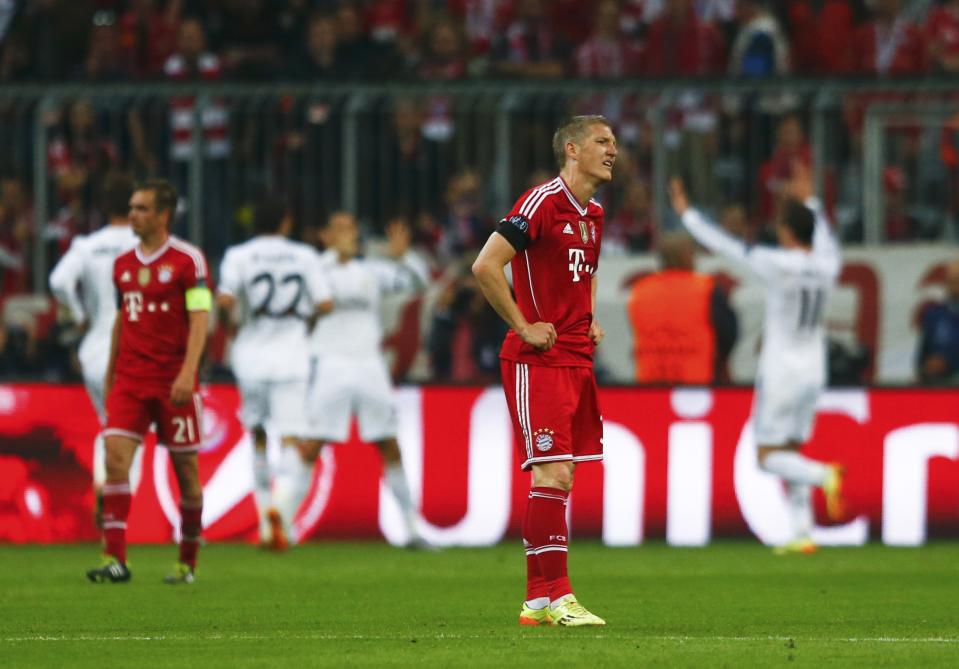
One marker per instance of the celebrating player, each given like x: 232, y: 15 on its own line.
x: 158, y: 338
x: 350, y: 374
x: 82, y: 282
x: 552, y: 238
x: 278, y: 286
x: 799, y: 276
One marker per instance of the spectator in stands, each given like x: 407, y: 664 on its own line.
x: 529, y: 47
x: 899, y: 225
x: 148, y: 35
x: 683, y: 326
x: 53, y: 35
x: 464, y: 228
x: 104, y: 61
x: 760, y: 48
x: 889, y: 44
x: 444, y: 54
x: 791, y: 145
x: 938, y: 358
x: 821, y: 34
x: 319, y: 60
x: 632, y: 227
x: 606, y: 54
x: 465, y: 334
x: 679, y: 43
x: 16, y: 231
x: 360, y: 56
x: 249, y: 46
x: 942, y: 37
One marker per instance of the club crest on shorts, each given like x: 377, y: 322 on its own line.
x: 164, y: 273
x: 143, y: 276
x: 543, y: 438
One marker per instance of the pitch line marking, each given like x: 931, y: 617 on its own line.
x: 442, y: 637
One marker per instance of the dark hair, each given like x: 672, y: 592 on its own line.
x: 115, y: 194
x: 269, y: 214
x: 800, y: 220
x: 164, y: 195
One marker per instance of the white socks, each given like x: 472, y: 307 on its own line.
x: 538, y: 603
x: 795, y: 468
x: 396, y: 482
x: 261, y: 490
x: 800, y: 509
x: 292, y: 483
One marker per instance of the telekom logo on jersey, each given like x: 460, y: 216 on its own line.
x: 576, y: 264
x: 134, y: 304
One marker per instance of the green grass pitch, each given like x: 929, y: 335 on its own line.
x: 732, y: 604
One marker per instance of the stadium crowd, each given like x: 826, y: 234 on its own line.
x: 445, y: 202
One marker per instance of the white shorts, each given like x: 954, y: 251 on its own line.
x: 784, y: 410
x: 282, y: 404
x: 341, y: 388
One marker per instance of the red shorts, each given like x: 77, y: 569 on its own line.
x: 555, y: 412
x: 131, y: 409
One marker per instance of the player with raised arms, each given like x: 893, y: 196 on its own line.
x: 158, y: 339
x: 799, y: 277
x: 551, y: 239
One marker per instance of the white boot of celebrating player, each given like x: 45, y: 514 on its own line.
x: 261, y: 486
x: 293, y: 480
x: 395, y: 478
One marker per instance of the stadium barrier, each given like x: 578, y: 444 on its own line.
x: 680, y: 466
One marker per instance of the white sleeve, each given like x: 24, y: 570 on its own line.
x: 65, y: 280
x: 825, y: 246
x: 759, y: 259
x: 409, y: 273
x: 231, y: 283
x: 317, y: 282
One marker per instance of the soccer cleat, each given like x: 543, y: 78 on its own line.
x: 800, y: 546
x: 570, y: 613
x: 278, y: 540
x: 528, y: 616
x: 182, y: 573
x: 420, y: 544
x: 832, y: 489
x: 110, y: 570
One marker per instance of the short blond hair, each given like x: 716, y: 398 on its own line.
x: 574, y: 130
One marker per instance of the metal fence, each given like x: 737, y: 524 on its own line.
x: 882, y: 153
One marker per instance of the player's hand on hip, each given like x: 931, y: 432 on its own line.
x: 181, y: 391
x: 539, y: 335
x: 596, y: 333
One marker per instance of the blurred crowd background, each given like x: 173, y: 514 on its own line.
x: 439, y: 113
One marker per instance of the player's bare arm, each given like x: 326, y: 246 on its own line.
x: 181, y: 391
x: 596, y: 332
x: 488, y: 270
x: 677, y: 196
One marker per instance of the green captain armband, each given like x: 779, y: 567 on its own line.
x: 199, y: 299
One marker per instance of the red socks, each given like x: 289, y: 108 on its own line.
x: 116, y: 508
x: 545, y: 536
x: 190, y: 529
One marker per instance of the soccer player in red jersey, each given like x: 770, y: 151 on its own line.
x: 551, y: 239
x: 158, y: 338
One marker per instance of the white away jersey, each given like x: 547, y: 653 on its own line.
x: 278, y: 283
x: 353, y: 328
x: 798, y: 284
x: 83, y: 282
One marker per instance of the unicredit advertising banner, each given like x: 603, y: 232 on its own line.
x: 680, y: 464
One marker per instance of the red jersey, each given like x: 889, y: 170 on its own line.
x: 557, y: 243
x: 152, y: 303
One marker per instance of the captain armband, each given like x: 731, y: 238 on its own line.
x: 199, y: 299
x: 516, y: 231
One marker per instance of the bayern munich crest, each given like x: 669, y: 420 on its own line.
x: 543, y: 438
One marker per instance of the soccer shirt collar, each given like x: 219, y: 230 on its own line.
x: 147, y: 259
x: 572, y: 198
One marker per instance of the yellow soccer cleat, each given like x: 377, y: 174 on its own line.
x: 800, y: 546
x: 832, y: 489
x: 570, y: 613
x: 530, y: 616
x: 182, y: 574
